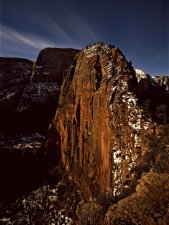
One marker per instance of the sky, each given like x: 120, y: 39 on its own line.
x: 140, y: 28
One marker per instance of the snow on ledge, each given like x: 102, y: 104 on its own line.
x: 140, y: 74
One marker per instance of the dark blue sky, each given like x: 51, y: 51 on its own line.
x: 140, y: 28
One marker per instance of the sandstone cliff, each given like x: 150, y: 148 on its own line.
x: 108, y: 129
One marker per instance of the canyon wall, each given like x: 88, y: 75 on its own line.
x: 29, y: 93
x: 28, y: 99
x: 101, y: 131
x: 40, y: 96
x: 110, y: 132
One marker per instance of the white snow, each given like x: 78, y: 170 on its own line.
x: 140, y: 74
x: 22, y: 107
x: 117, y: 171
x: 146, y: 124
x: 45, y: 88
x: 5, y: 219
x: 8, y: 96
x: 90, y: 55
x: 108, y: 76
x: 91, y: 51
x: 135, y: 125
x: 117, y: 157
x: 109, y: 68
x: 113, y: 88
x: 137, y: 141
x: 111, y: 108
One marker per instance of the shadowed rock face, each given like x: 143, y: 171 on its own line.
x: 15, y: 73
x: 39, y: 100
x: 51, y: 64
x: 28, y: 100
x: 155, y: 89
x: 29, y: 94
x: 103, y: 134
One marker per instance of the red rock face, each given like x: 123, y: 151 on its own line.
x: 102, y: 131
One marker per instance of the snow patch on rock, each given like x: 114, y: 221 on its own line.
x: 140, y: 74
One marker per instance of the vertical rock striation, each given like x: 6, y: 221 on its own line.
x: 101, y: 131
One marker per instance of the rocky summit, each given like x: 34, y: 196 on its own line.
x: 108, y: 140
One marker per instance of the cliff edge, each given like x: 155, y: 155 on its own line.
x: 110, y: 133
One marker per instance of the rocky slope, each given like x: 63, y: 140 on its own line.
x: 108, y: 132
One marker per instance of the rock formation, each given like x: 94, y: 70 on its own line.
x: 51, y: 64
x: 28, y: 100
x: 39, y: 100
x: 108, y: 129
x: 110, y: 133
x: 29, y: 93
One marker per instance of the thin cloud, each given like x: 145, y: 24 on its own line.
x: 18, y: 38
x: 52, y: 27
x: 79, y: 24
x: 68, y: 27
x: 74, y: 30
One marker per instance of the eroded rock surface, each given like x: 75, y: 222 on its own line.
x: 107, y: 125
x: 110, y: 133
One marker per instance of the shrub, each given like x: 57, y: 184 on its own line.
x: 89, y: 213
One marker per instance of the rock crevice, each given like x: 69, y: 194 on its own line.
x: 101, y: 121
